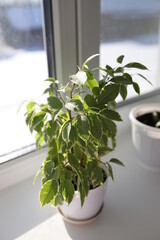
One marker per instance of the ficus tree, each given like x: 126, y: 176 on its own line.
x: 78, y: 124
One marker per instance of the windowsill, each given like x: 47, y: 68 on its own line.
x: 131, y: 209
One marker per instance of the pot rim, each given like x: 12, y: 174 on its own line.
x: 142, y: 109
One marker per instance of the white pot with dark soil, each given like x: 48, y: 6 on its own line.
x: 145, y: 120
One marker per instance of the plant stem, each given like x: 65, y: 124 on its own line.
x: 69, y: 111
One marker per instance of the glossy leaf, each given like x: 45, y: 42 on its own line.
x: 67, y: 189
x: 136, y: 65
x: 72, y: 160
x: 123, y: 92
x: 55, y: 102
x: 47, y: 192
x: 96, y: 126
x: 116, y: 161
x: 92, y: 83
x: 48, y: 167
x: 97, y: 176
x: 109, y: 94
x: 136, y: 87
x: 89, y: 59
x: 110, y: 114
x: 89, y: 101
x: 120, y: 59
x: 66, y: 132
x: 57, y: 200
x: 83, y: 127
x: 111, y: 126
x: 122, y: 80
x: 37, y: 118
x: 30, y: 106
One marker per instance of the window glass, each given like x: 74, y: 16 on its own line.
x: 132, y: 28
x: 23, y: 67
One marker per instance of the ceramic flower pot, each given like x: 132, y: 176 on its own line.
x: 92, y: 206
x: 146, y: 139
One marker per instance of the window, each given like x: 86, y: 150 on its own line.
x: 132, y: 28
x: 23, y: 67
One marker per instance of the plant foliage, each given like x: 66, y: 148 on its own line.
x: 78, y: 123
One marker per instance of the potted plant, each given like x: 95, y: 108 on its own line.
x: 145, y: 120
x: 77, y: 122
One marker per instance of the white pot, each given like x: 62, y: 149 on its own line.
x: 146, y: 139
x: 92, y: 205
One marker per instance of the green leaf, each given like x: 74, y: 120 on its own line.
x: 50, y: 80
x: 29, y: 116
x: 48, y: 191
x: 37, y: 118
x: 66, y: 131
x: 57, y: 200
x: 123, y: 91
x: 77, y: 151
x: 30, y: 106
x: 122, y: 80
x: 51, y: 128
x: 82, y: 194
x: 39, y: 140
x: 91, y: 165
x: 73, y: 134
x: 37, y: 174
x: 96, y: 126
x: 55, y: 102
x: 144, y: 78
x: 136, y: 65
x: 67, y: 189
x: 39, y: 126
x: 108, y: 70
x: 110, y: 171
x: 116, y: 161
x: 109, y: 94
x: 97, y: 176
x: 110, y: 114
x: 48, y: 167
x: 136, y: 87
x: 66, y: 174
x: 92, y: 83
x: 119, y: 70
x: 52, y: 148
x: 120, y: 59
x: 111, y: 126
x: 89, y: 101
x: 104, y: 150
x: 89, y: 59
x: 72, y: 160
x: 92, y: 149
x: 83, y: 127
x: 74, y: 105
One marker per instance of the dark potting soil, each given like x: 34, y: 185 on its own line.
x: 149, y: 119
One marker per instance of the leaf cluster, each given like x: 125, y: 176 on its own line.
x: 78, y: 124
